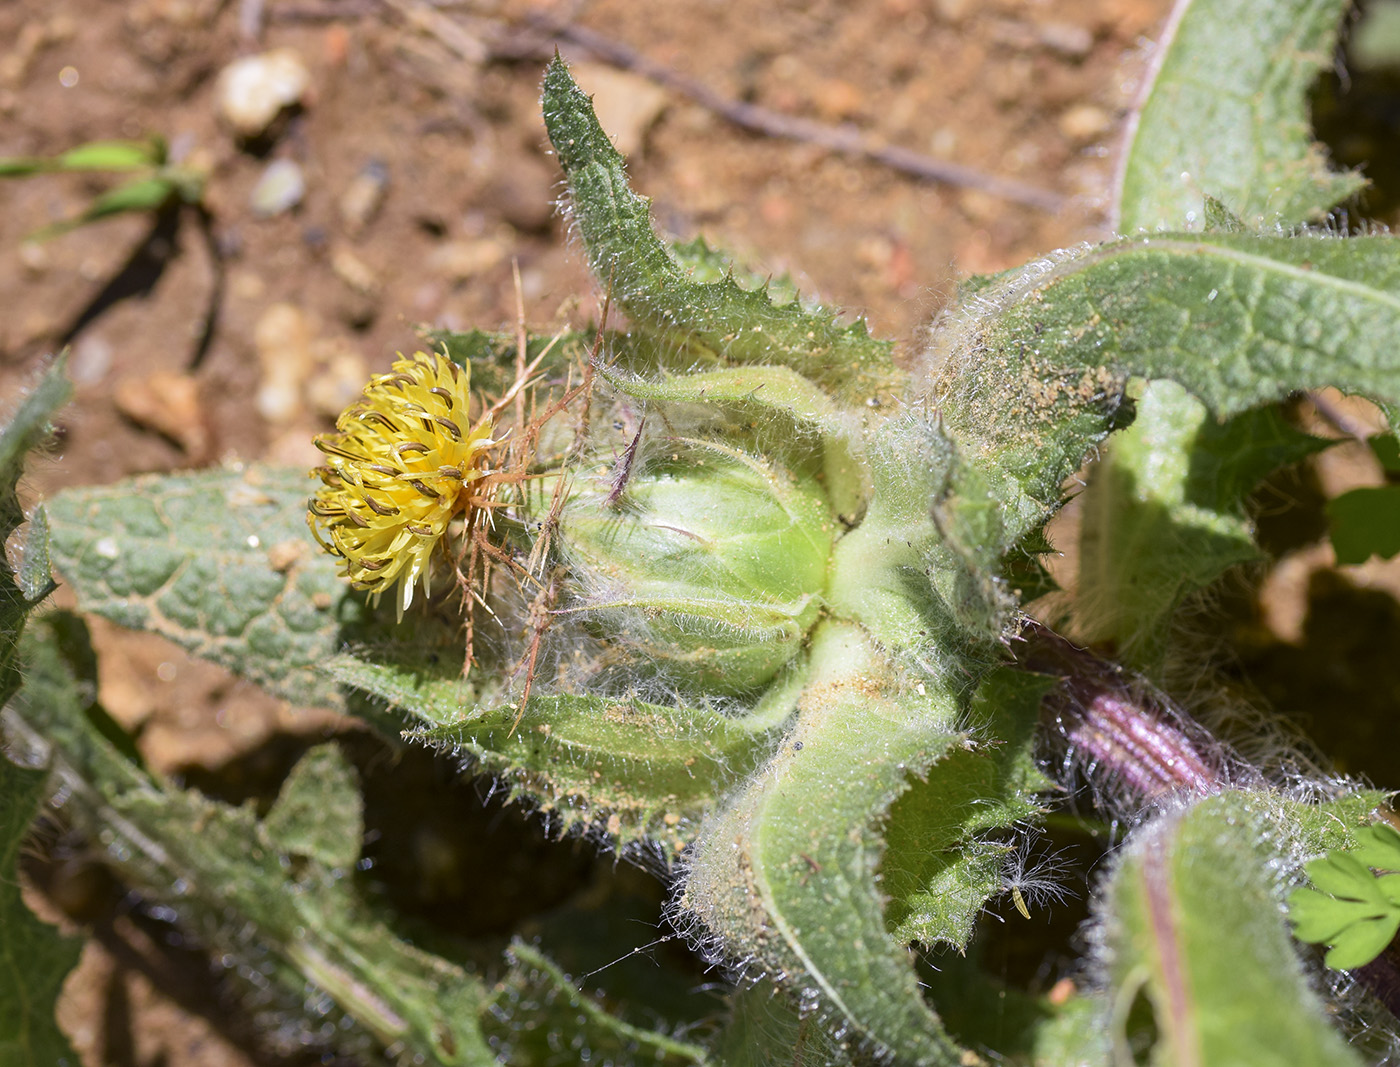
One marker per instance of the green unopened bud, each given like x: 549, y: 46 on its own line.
x: 710, y: 568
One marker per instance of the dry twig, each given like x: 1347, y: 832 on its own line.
x: 846, y: 140
x: 536, y: 37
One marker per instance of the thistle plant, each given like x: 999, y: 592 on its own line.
x: 749, y: 602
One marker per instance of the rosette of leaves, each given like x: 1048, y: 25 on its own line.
x: 765, y: 585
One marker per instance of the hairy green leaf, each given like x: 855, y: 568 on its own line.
x: 260, y: 891
x: 1033, y: 371
x: 1165, y: 514
x: 785, y: 875
x: 35, y: 573
x: 275, y: 894
x: 940, y: 867
x: 34, y: 957
x: 1219, y: 122
x: 318, y: 811
x: 222, y: 563
x: 707, y: 264
x: 23, y: 431
x: 1227, y: 117
x: 715, y: 321
x: 1312, y: 829
x: 634, y: 769
x: 1192, y: 920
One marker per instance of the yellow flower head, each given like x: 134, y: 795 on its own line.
x: 399, y: 467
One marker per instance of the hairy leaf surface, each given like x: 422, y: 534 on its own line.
x: 1227, y: 117
x: 940, y: 867
x: 34, y: 957
x: 717, y: 321
x: 249, y: 888
x: 785, y: 874
x: 636, y: 769
x: 21, y: 433
x: 1193, y: 919
x: 1034, y: 369
x: 1154, y: 526
x: 222, y: 563
x: 1165, y: 514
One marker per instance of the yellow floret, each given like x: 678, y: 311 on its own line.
x: 398, y: 468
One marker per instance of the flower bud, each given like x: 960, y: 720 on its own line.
x: 709, y: 568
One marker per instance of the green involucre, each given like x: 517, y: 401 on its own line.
x: 709, y: 566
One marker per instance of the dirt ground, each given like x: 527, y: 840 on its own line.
x: 426, y: 178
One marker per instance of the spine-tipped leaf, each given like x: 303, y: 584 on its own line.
x: 636, y: 770
x: 716, y: 320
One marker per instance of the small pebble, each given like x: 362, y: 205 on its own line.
x: 280, y: 188
x: 92, y: 358
x: 1074, y: 42
x: 283, y: 555
x: 283, y: 337
x: 463, y: 260
x: 337, y: 384
x: 836, y: 99
x: 34, y: 258
x: 363, y: 196
x: 254, y: 90
x: 168, y: 403
x: 353, y: 271
x: 1084, y: 123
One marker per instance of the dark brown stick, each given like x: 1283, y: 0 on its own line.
x: 536, y: 36
x: 846, y: 140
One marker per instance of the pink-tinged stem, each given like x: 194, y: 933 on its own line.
x: 1129, y: 738
x: 1137, y: 746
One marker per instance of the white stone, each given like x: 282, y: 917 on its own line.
x: 254, y: 90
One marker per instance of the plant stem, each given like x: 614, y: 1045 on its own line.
x: 1129, y: 739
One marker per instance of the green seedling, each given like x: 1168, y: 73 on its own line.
x: 152, y: 181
